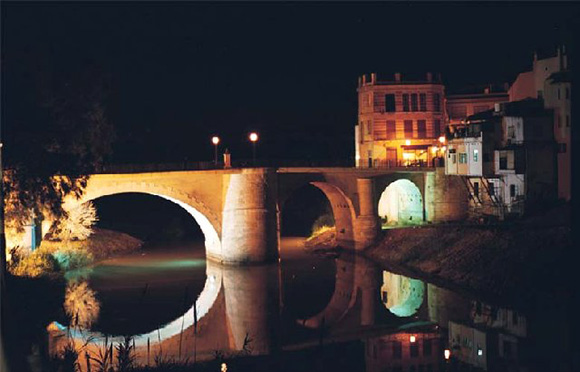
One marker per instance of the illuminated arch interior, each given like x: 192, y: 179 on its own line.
x: 401, y: 295
x: 401, y: 203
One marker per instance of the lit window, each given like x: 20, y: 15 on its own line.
x: 462, y: 158
x: 475, y: 155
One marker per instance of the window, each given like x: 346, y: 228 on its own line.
x: 391, y: 129
x: 405, y: 102
x: 436, y: 127
x: 559, y: 93
x: 427, y: 347
x: 421, y: 129
x: 511, y: 132
x: 397, y: 350
x: 491, y: 192
x: 512, y: 191
x: 476, y: 189
x: 369, y: 127
x: 414, y: 102
x: 408, y: 129
x: 503, y: 161
x: 423, y: 102
x: 414, y: 349
x: 559, y: 120
x: 540, y: 94
x: 567, y: 93
x: 475, y: 155
x: 436, y: 102
x: 390, y: 103
x: 462, y: 158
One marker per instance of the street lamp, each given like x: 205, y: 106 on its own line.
x: 254, y: 138
x: 215, y: 140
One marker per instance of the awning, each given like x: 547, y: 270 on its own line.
x: 415, y: 147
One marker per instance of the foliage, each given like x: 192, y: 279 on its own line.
x: 77, y: 224
x: 103, y: 358
x: 81, y: 305
x: 125, y: 355
x: 36, y: 264
x: 72, y: 258
x: 326, y: 220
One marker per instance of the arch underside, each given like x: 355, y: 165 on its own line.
x: 401, y: 203
x: 342, y: 209
x: 210, y: 225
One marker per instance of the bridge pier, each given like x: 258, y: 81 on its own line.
x: 252, y: 307
x: 250, y: 228
x: 366, y: 226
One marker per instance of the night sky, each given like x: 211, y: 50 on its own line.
x: 181, y: 72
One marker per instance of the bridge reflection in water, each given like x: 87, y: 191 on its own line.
x: 400, y: 320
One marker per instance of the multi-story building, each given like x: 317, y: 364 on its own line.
x: 505, y: 156
x: 399, y: 121
x: 549, y: 80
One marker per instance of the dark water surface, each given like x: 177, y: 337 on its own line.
x: 177, y: 304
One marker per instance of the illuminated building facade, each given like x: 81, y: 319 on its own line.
x: 505, y: 157
x: 399, y: 121
x: 473, y: 101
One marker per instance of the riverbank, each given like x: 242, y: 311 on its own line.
x: 502, y: 262
x: 102, y: 244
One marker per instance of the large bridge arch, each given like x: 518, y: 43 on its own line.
x: 209, y: 223
x: 342, y: 206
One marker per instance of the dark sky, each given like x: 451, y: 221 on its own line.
x: 180, y: 72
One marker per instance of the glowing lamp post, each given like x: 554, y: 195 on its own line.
x: 215, y: 140
x: 253, y: 138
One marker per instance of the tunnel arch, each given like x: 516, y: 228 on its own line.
x: 401, y: 203
x: 210, y: 225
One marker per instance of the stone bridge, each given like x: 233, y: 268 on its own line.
x: 238, y: 210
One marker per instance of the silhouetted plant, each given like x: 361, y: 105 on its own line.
x: 125, y: 355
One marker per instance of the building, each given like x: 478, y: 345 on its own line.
x: 549, y: 80
x: 472, y: 101
x: 506, y: 158
x: 405, y: 351
x: 485, y: 349
x: 399, y: 121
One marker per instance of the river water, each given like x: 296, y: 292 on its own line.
x: 177, y: 305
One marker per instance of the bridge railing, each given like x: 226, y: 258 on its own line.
x: 262, y: 163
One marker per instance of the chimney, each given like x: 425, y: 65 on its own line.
x: 397, y: 76
x: 359, y: 81
x: 364, y: 79
x: 486, y: 91
x: 429, y: 77
x: 497, y: 107
x: 373, y: 78
x: 535, y: 56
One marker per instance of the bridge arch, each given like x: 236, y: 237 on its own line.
x: 401, y: 203
x: 210, y: 225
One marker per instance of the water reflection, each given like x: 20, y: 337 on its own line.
x: 81, y: 305
x: 403, y: 323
